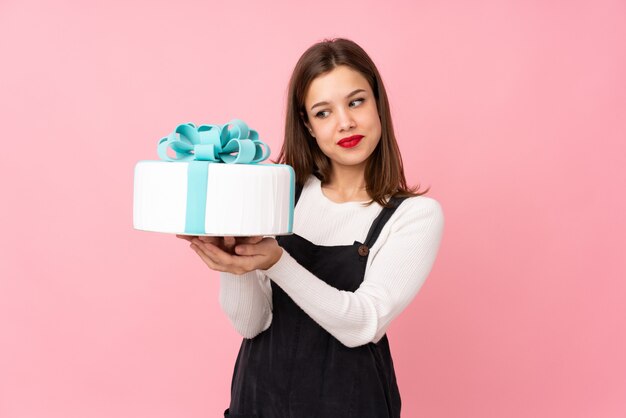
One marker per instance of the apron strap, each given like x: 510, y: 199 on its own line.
x: 382, y: 219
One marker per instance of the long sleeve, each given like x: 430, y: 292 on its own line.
x: 399, y: 263
x: 247, y: 301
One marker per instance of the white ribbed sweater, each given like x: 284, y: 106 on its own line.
x: 397, y: 266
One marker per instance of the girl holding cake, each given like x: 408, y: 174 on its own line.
x: 314, y: 307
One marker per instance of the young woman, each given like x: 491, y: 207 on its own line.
x: 313, y: 307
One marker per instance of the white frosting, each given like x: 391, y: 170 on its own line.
x: 242, y: 199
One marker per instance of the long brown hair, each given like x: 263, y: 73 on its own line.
x: 384, y: 172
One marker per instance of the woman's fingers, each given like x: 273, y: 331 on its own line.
x: 226, y: 243
x: 213, y: 240
x: 202, y: 238
x: 224, y: 261
x: 256, y: 247
x: 229, y: 244
x: 219, y: 254
x: 207, y: 260
x: 214, y: 252
x: 244, y: 249
x: 249, y: 240
x: 217, y: 241
x: 212, y: 255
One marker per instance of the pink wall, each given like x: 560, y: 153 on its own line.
x: 514, y: 112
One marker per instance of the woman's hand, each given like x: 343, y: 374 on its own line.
x: 237, y: 256
x: 225, y: 243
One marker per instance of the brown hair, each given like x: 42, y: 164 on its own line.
x: 384, y: 172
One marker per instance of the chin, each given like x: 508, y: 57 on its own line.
x: 351, y: 162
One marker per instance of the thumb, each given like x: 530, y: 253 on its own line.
x: 251, y: 240
x: 245, y: 249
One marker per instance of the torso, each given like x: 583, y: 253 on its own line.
x: 296, y: 368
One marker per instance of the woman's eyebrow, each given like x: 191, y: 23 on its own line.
x: 357, y: 91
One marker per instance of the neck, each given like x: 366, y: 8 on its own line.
x: 347, y: 182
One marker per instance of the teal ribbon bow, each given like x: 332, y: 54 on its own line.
x: 232, y: 143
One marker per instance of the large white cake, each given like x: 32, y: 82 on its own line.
x: 241, y: 199
x: 210, y: 182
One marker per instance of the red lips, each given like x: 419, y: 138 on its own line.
x: 350, y: 141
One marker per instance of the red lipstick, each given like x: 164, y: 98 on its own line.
x: 351, y: 141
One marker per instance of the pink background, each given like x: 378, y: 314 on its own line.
x: 513, y: 112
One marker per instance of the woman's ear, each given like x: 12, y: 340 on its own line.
x: 307, y: 124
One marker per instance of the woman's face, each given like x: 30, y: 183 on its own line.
x: 343, y: 117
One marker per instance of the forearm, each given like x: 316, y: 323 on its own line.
x: 345, y: 315
x: 246, y: 300
x: 400, y: 267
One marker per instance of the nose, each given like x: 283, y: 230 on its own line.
x: 345, y: 119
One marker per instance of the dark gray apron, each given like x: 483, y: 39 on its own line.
x: 296, y: 369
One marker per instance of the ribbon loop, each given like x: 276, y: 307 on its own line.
x: 231, y: 143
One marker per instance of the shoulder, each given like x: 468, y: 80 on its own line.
x: 416, y: 227
x: 417, y: 211
x: 311, y: 181
x: 421, y: 204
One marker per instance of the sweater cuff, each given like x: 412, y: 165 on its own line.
x: 286, y: 271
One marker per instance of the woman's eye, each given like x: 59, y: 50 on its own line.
x: 356, y: 102
x: 322, y: 114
